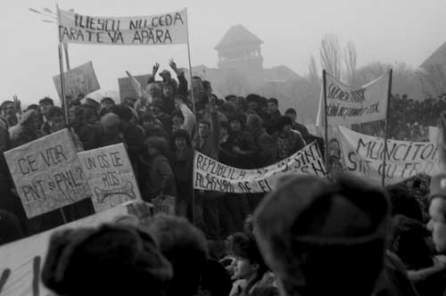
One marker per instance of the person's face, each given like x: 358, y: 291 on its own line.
x: 168, y: 91
x: 252, y: 106
x: 197, y: 86
x: 72, y: 114
x: 292, y: 116
x: 272, y: 107
x: 223, y: 135
x: 334, y: 149
x: 235, y: 126
x: 204, y: 130
x: 244, y: 269
x: 44, y: 108
x: 9, y: 109
x: 286, y: 129
x: 152, y: 151
x: 57, y: 123
x: 180, y: 143
x: 106, y: 105
x: 437, y: 223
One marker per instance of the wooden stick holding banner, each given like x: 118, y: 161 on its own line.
x: 386, y: 128
x: 324, y: 93
x: 193, y: 110
x: 67, y: 56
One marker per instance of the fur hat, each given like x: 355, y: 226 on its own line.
x: 109, y: 260
x: 321, y: 238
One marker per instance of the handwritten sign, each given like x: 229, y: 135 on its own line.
x: 126, y: 89
x: 347, y: 105
x: 211, y: 175
x: 47, y: 173
x: 164, y: 29
x: 110, y: 176
x: 79, y: 81
x: 22, y: 260
x: 363, y: 156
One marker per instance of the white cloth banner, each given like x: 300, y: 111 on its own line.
x: 110, y: 176
x: 347, y: 105
x: 164, y: 29
x: 22, y: 260
x: 211, y: 175
x: 363, y: 156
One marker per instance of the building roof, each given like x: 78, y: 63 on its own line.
x: 237, y: 35
x: 437, y: 58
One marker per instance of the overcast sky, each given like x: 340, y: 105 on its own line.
x: 382, y: 30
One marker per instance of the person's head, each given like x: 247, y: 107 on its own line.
x: 291, y: 113
x: 323, y: 238
x: 284, y: 124
x: 155, y: 146
x: 185, y: 247
x: 110, y: 123
x: 124, y: 113
x: 45, y: 104
x: 253, y: 102
x: 207, y: 88
x: 204, y: 129
x: 8, y: 108
x: 437, y: 212
x: 108, y: 260
x: 177, y: 120
x: 107, y: 103
x: 149, y: 121
x: 334, y: 148
x: 236, y: 124
x: 165, y: 75
x: 254, y: 122
x: 153, y: 90
x: 181, y: 140
x: 273, y: 105
x: 56, y: 118
x: 249, y: 262
x: 169, y: 89
x: 197, y: 86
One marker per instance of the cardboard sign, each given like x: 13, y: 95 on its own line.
x: 126, y: 89
x: 347, y: 105
x: 79, y: 81
x: 211, y: 175
x: 47, y: 173
x: 22, y: 260
x: 363, y: 156
x: 164, y: 29
x: 110, y: 176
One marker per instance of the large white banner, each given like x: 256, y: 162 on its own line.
x: 110, y: 176
x: 164, y: 29
x: 347, y: 105
x: 22, y: 261
x: 363, y: 156
x: 47, y: 173
x: 211, y: 175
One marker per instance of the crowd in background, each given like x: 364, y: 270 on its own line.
x: 310, y: 236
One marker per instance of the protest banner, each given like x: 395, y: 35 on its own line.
x: 110, y: 176
x: 47, y: 173
x: 363, y: 156
x: 163, y: 29
x: 211, y: 175
x: 22, y: 260
x: 126, y: 90
x: 347, y: 105
x: 79, y: 81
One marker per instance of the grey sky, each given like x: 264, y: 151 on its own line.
x: 386, y: 31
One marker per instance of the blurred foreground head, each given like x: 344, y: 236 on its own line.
x: 324, y: 238
x: 109, y: 260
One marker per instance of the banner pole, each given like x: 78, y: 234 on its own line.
x: 386, y: 128
x: 67, y: 56
x: 194, y: 220
x: 324, y: 93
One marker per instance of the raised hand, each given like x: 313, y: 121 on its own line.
x: 173, y: 65
x: 155, y: 69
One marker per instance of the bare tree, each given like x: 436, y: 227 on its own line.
x: 313, y: 76
x: 350, y: 62
x: 331, y: 55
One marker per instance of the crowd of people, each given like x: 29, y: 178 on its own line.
x: 309, y: 236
